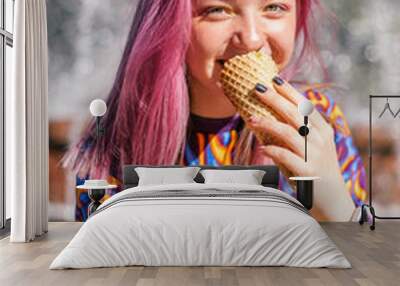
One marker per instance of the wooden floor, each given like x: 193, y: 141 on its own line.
x: 374, y: 255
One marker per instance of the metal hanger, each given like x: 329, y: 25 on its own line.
x: 387, y: 107
x: 398, y: 111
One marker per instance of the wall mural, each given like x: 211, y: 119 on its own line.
x: 168, y: 105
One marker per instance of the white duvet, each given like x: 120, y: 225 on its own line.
x: 207, y: 230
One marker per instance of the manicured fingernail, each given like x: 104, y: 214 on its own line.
x: 278, y: 80
x: 261, y: 88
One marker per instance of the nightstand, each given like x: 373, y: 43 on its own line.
x: 96, y: 191
x: 304, y: 188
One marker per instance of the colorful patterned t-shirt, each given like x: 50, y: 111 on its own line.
x: 212, y: 141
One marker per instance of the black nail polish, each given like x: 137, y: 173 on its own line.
x: 261, y: 88
x: 278, y: 80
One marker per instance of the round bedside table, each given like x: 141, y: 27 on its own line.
x: 96, y: 191
x: 304, y: 190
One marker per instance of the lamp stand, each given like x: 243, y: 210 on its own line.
x: 305, y: 148
x: 95, y: 195
x: 303, y: 131
x: 98, y: 134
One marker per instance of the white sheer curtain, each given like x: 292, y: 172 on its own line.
x: 27, y: 123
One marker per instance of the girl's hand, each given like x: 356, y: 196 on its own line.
x: 331, y: 198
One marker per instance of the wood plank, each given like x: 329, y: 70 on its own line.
x: 375, y: 258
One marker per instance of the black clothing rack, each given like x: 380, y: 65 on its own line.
x: 369, y: 206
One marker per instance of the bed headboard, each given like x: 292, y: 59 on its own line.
x: 270, y: 179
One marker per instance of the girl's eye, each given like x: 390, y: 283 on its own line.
x: 213, y: 10
x: 275, y: 8
x: 218, y: 11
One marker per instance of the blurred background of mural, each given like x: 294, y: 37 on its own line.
x: 86, y: 40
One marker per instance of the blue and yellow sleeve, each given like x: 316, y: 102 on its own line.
x: 349, y: 158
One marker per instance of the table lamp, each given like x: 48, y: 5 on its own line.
x: 96, y: 187
x: 305, y: 185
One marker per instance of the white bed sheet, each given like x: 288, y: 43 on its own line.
x: 192, y: 231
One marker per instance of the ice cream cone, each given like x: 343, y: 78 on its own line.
x: 239, y: 78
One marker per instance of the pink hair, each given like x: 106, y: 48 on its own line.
x: 309, y: 12
x: 148, y: 106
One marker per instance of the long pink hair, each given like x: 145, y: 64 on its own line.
x: 148, y: 105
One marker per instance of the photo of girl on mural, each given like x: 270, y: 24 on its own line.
x: 167, y: 106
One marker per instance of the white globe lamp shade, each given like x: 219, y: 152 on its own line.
x: 305, y: 107
x: 98, y: 107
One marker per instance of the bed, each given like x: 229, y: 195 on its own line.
x: 201, y: 224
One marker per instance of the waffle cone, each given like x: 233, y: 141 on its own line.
x: 239, y: 78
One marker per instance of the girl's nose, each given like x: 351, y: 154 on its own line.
x: 249, y: 36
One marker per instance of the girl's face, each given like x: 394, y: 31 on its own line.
x: 222, y: 29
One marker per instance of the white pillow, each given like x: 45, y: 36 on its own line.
x: 162, y: 176
x: 249, y: 177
